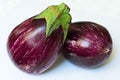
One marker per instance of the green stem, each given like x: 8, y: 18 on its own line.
x: 55, y: 16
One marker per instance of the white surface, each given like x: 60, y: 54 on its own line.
x: 104, y: 12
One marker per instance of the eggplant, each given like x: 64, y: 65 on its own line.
x: 88, y: 44
x: 34, y: 45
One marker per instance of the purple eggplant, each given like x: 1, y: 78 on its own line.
x: 88, y: 44
x: 34, y: 44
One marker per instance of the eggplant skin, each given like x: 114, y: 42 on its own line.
x: 29, y: 48
x: 88, y: 44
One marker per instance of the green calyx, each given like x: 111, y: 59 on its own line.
x: 56, y: 16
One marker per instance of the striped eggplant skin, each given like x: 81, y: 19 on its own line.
x: 88, y: 44
x: 29, y: 48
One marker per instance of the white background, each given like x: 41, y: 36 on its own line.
x: 104, y: 12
